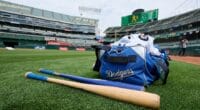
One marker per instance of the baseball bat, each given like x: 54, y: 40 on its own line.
x: 93, y: 81
x: 131, y: 96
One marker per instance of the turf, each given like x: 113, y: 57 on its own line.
x: 182, y: 91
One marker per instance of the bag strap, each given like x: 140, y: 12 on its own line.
x: 121, y: 59
x: 163, y: 70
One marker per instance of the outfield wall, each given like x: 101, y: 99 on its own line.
x: 193, y: 47
x: 190, y: 51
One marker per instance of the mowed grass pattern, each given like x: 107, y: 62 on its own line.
x: 182, y: 91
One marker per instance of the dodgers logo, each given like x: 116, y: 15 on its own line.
x: 119, y: 74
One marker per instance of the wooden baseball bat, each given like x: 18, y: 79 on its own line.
x: 131, y: 96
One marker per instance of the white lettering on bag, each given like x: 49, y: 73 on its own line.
x: 119, y: 74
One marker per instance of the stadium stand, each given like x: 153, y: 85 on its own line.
x: 27, y: 27
x: 167, y: 32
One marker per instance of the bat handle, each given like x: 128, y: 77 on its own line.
x: 35, y: 76
x: 47, y: 71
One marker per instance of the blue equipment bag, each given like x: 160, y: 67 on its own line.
x: 123, y: 64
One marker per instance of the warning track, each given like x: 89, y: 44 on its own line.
x: 187, y: 59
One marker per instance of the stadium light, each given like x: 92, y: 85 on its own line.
x: 88, y: 10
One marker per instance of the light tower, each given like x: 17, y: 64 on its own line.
x: 86, y: 11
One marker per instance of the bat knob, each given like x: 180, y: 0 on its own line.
x: 27, y: 73
x: 40, y: 69
x: 32, y: 75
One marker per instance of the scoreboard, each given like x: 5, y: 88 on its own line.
x: 140, y: 17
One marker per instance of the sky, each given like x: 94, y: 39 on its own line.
x: 112, y: 10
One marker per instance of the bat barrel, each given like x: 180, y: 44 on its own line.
x: 131, y: 96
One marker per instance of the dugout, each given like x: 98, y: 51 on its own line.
x: 20, y: 40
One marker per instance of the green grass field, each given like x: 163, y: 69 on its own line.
x: 182, y: 91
